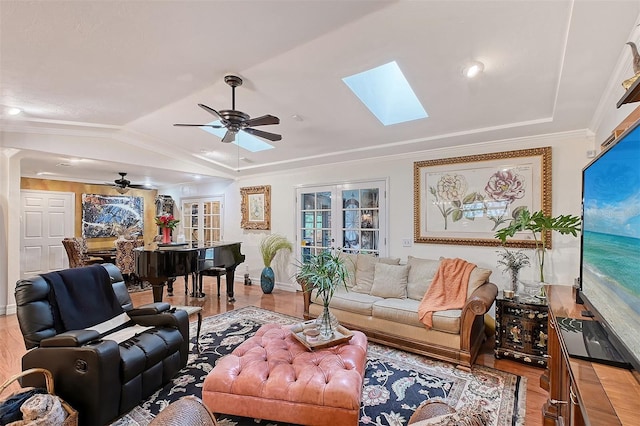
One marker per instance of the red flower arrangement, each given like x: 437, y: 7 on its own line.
x: 167, y: 221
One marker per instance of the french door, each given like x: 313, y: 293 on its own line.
x: 202, y: 220
x: 350, y: 216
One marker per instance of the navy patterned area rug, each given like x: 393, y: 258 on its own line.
x: 395, y: 383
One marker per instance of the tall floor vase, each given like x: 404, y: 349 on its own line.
x: 267, y: 280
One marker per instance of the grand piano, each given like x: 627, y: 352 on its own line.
x: 161, y: 265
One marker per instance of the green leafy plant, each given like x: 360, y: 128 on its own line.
x: 540, y: 226
x: 323, y: 272
x: 270, y: 245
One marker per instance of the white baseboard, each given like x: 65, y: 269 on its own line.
x: 8, y: 309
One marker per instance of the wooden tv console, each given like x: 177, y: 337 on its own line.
x: 583, y: 392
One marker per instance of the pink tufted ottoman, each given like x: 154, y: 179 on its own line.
x: 272, y: 376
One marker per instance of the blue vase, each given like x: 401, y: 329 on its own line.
x: 267, y: 280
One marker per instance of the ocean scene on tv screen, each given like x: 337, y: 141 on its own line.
x: 611, y: 237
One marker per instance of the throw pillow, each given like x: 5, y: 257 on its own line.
x: 421, y: 273
x: 365, y: 271
x: 390, y: 281
x: 477, y: 277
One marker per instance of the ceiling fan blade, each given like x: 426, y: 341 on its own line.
x: 212, y: 112
x: 229, y: 137
x: 215, y: 126
x: 265, y: 135
x: 264, y: 120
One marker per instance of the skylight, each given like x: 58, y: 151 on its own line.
x: 387, y: 94
x: 243, y: 140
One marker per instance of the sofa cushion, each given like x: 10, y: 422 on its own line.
x: 353, y: 302
x: 390, y: 281
x: 350, y: 262
x: 365, y: 270
x: 477, y: 277
x: 405, y: 311
x: 421, y: 273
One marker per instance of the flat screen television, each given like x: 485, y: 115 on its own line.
x: 610, y: 242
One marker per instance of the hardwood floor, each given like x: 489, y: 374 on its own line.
x: 12, y: 345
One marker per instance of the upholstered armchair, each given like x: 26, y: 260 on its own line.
x: 76, y: 249
x: 105, y: 355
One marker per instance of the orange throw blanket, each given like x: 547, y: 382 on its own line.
x: 448, y: 290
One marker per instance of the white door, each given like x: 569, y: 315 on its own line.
x: 47, y: 217
x: 202, y: 220
x: 349, y: 216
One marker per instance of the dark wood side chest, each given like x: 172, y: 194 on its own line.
x: 521, y: 330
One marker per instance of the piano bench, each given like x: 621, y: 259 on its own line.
x: 211, y: 272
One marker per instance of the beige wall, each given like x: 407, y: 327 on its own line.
x: 78, y: 188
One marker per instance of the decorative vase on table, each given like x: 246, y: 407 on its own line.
x: 327, y: 323
x: 166, y: 235
x: 267, y: 280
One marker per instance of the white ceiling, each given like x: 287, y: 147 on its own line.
x: 122, y: 72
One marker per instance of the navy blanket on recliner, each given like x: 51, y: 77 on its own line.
x: 76, y: 307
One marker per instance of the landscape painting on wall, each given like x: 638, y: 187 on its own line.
x: 104, y: 215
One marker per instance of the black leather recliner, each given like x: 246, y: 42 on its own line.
x: 105, y: 368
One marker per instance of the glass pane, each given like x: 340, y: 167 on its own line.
x: 207, y: 221
x: 326, y: 238
x: 351, y: 220
x: 194, y: 221
x: 366, y: 219
x: 350, y: 199
x: 307, y: 237
x: 215, y: 208
x: 324, y: 200
x: 324, y: 220
x: 370, y: 198
x: 307, y: 219
x: 215, y: 221
x: 370, y: 240
x: 351, y: 240
x: 308, y: 201
x: 207, y: 235
x: 376, y: 219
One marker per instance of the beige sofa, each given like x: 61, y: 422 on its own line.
x: 382, y: 300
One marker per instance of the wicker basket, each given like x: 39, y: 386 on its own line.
x: 72, y: 418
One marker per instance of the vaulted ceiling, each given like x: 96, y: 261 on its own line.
x: 105, y: 80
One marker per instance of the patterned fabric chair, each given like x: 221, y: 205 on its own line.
x: 125, y: 258
x: 187, y: 411
x: 76, y: 249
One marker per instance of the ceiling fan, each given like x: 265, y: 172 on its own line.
x: 235, y: 121
x: 123, y: 184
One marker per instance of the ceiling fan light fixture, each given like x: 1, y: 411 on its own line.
x: 122, y: 190
x: 473, y: 69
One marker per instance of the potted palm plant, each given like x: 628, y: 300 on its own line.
x: 269, y: 247
x: 323, y: 273
x: 540, y: 226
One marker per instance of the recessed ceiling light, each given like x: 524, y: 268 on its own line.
x: 473, y: 69
x: 14, y: 111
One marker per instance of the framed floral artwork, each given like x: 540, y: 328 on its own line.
x: 464, y: 200
x: 256, y: 207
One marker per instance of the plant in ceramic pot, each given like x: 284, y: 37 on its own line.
x: 540, y: 226
x: 511, y: 262
x: 269, y: 247
x: 323, y: 273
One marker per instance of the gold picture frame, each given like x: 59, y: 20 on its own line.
x: 464, y: 200
x: 256, y: 207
